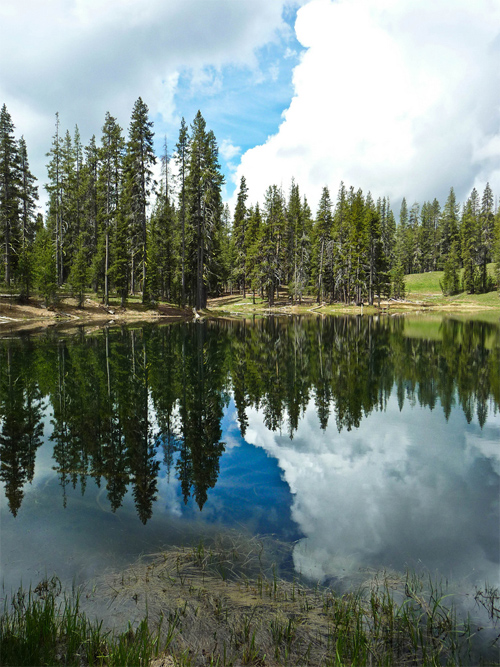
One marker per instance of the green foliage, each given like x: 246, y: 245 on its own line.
x: 45, y: 268
x: 496, y: 250
x: 448, y: 228
x: 204, y: 213
x: 271, y: 243
x: 42, y: 627
x: 239, y: 236
x: 322, y: 245
x: 398, y: 283
x: 25, y: 270
x: 10, y: 194
x: 138, y: 179
x: 451, y: 277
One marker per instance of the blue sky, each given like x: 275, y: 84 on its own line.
x: 243, y: 105
x: 392, y: 96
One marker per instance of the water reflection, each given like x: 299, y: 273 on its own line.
x: 123, y: 403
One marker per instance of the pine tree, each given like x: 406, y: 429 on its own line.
x: 228, y: 255
x: 376, y: 261
x: 322, y: 245
x: 253, y: 257
x: 451, y: 278
x: 356, y: 249
x: 299, y: 228
x: 45, y: 267
x: 28, y: 222
x: 139, y: 161
x: 387, y: 229
x: 468, y: 232
x: 181, y: 158
x: 435, y: 214
x: 496, y: 249
x: 69, y: 238
x: 340, y: 237
x: 29, y: 195
x: 271, y: 235
x: 401, y: 254
x: 413, y: 251
x: 398, y: 284
x: 10, y: 194
x: 78, y: 183
x: 89, y: 177
x: 426, y: 238
x: 162, y: 233
x: 55, y: 191
x: 204, y: 209
x: 448, y: 228
x: 486, y: 235
x: 240, y: 240
x: 110, y: 178
x: 120, y: 252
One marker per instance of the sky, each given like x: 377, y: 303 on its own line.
x: 395, y: 97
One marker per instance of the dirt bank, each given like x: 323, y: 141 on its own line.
x: 34, y: 316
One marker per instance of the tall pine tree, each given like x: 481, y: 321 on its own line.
x: 139, y: 161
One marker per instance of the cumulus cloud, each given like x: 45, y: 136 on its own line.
x: 86, y: 57
x: 399, y: 98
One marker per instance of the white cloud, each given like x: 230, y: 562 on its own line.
x: 399, y: 98
x: 86, y: 57
x: 228, y: 150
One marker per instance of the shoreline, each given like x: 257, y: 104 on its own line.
x: 33, y: 317
x: 227, y: 603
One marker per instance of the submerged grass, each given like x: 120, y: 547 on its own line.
x: 227, y: 605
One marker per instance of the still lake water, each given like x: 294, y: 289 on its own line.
x: 368, y: 443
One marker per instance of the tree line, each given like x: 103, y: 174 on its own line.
x: 110, y: 227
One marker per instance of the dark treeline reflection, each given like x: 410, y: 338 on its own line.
x: 124, y: 399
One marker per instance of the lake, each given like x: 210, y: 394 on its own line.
x: 366, y: 442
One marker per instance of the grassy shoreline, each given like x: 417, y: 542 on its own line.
x: 226, y: 605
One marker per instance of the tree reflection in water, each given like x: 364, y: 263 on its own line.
x: 124, y: 400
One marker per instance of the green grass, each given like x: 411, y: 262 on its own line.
x: 424, y: 284
x: 426, y: 287
x: 42, y: 628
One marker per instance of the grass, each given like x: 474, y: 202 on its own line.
x: 43, y: 627
x: 426, y: 286
x: 423, y: 293
x: 225, y: 604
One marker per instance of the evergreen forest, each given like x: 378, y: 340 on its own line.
x: 111, y: 228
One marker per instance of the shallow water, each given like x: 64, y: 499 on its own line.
x: 368, y: 443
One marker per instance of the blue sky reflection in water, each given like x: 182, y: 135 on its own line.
x: 404, y: 488
x: 84, y: 538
